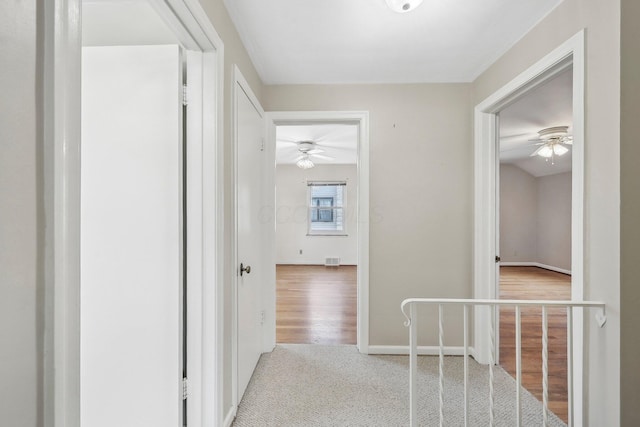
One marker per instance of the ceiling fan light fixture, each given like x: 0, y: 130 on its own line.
x: 545, y: 151
x: 305, y: 163
x: 559, y: 149
x: 403, y: 6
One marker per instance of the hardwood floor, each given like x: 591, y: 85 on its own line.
x: 316, y: 304
x: 536, y: 283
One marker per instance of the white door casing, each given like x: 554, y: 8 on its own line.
x: 361, y: 119
x: 570, y: 53
x: 249, y: 282
x: 131, y: 236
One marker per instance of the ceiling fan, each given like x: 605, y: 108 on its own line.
x: 552, y: 142
x: 307, y: 150
x: 309, y: 145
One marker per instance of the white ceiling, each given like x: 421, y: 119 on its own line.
x: 339, y: 141
x: 363, y: 41
x: 123, y: 22
x: 545, y: 106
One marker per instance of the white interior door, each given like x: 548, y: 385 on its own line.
x: 249, y: 137
x: 131, y: 239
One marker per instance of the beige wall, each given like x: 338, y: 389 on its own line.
x: 554, y: 220
x: 518, y: 215
x: 234, y: 54
x: 292, y: 207
x: 20, y: 226
x: 630, y: 207
x: 421, y: 190
x: 602, y: 176
x: 535, y: 217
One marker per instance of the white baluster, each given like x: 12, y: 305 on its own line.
x: 492, y: 336
x: 466, y: 364
x: 413, y: 364
x: 518, y: 366
x: 441, y: 363
x: 570, y: 366
x: 545, y: 368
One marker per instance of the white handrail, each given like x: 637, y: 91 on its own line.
x: 412, y: 305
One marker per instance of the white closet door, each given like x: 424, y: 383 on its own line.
x: 131, y: 272
x: 249, y: 133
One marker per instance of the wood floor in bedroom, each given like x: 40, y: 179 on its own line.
x: 316, y: 304
x: 540, y: 284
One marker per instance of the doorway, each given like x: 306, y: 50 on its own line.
x: 189, y: 28
x: 534, y: 229
x: 569, y: 55
x: 316, y: 233
x: 132, y: 224
x: 304, y: 214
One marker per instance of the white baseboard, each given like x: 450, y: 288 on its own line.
x: 423, y: 350
x: 231, y: 415
x: 472, y: 353
x: 534, y: 264
x: 309, y: 263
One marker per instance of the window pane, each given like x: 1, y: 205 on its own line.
x: 326, y: 212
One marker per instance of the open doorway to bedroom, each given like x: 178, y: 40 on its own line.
x: 316, y: 237
x: 534, y: 225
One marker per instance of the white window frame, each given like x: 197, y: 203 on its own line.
x: 310, y: 230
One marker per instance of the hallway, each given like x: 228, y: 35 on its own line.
x: 336, y: 386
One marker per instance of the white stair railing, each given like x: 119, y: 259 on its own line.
x: 412, y: 305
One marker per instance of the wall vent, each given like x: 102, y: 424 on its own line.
x: 331, y: 262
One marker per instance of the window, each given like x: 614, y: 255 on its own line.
x: 327, y: 208
x: 320, y: 214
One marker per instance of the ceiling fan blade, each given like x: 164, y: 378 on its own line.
x: 535, y: 153
x: 315, y: 151
x: 334, y: 132
x: 514, y: 138
x: 519, y: 147
x: 322, y: 156
x: 281, y: 138
x: 337, y: 146
x: 286, y: 144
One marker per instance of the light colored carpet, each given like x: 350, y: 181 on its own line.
x: 311, y: 385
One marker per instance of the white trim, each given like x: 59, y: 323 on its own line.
x: 310, y: 117
x: 231, y: 415
x: 485, y: 136
x: 62, y: 213
x: 62, y: 22
x: 534, y: 264
x: 239, y: 82
x: 322, y: 263
x: 423, y: 350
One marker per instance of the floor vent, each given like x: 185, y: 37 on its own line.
x: 331, y: 262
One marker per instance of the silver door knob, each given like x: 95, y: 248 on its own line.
x: 244, y: 269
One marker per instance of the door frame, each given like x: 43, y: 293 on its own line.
x: 239, y: 83
x: 61, y: 116
x: 570, y: 53
x: 360, y: 118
